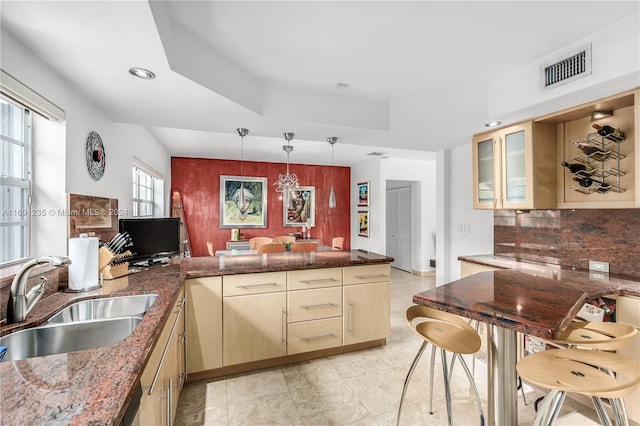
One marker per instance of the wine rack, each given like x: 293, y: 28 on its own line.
x: 603, y: 164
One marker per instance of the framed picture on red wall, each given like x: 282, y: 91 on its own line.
x: 243, y: 202
x: 299, y: 207
x: 363, y: 194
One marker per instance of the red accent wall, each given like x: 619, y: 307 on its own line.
x: 198, y: 180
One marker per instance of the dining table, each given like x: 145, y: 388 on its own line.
x: 537, y: 302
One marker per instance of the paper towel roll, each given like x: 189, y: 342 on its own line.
x: 83, y: 271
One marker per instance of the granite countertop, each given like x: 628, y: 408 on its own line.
x: 96, y: 386
x: 530, y: 298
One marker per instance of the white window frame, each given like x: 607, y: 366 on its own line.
x: 155, y: 189
x: 14, y: 215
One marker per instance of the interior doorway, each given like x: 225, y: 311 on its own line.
x: 399, y: 224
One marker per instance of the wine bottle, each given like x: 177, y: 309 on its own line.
x: 585, y: 182
x: 578, y: 168
x: 594, y: 152
x: 609, y: 132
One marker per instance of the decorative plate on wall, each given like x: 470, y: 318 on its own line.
x: 96, y: 158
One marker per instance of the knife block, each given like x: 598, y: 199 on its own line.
x: 109, y: 266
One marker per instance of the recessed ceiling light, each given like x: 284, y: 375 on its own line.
x: 342, y: 85
x: 493, y: 124
x: 376, y: 154
x: 142, y: 73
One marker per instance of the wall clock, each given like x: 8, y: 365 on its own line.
x: 96, y: 158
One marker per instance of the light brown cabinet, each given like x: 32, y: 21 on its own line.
x: 510, y: 171
x: 254, y: 317
x: 314, y: 310
x: 367, y: 303
x: 164, y: 373
x: 519, y: 167
x: 204, y: 323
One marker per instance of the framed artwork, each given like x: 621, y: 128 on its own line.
x: 363, y: 223
x: 299, y: 207
x: 363, y: 194
x: 243, y: 202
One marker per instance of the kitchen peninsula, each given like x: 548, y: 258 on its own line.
x: 103, y: 385
x: 529, y: 298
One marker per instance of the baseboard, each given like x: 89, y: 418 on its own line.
x: 424, y: 273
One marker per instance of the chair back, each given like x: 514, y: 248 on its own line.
x: 284, y: 239
x: 337, y: 242
x: 271, y: 248
x: 255, y: 242
x: 299, y: 247
x: 210, y: 248
x: 596, y: 335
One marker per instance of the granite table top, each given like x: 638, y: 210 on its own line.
x: 96, y: 386
x: 529, y: 298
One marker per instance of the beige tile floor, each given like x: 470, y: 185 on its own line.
x: 359, y: 388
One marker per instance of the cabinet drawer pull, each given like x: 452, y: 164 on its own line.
x: 318, y: 280
x: 319, y: 305
x: 284, y: 327
x: 364, y: 277
x: 320, y: 336
x: 245, y: 286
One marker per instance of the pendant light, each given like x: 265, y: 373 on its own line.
x: 332, y: 195
x: 288, y: 180
x: 243, y: 204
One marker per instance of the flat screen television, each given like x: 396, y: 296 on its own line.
x: 152, y: 237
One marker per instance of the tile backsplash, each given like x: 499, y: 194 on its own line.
x: 570, y: 238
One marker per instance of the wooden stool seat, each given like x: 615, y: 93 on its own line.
x: 597, y: 374
x: 596, y: 335
x: 581, y: 371
x: 449, y: 333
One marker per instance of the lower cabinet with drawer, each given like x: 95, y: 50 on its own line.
x: 254, y: 317
x: 164, y: 374
x: 367, y: 303
x: 271, y: 318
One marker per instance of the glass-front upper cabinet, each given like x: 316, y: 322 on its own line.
x: 486, y: 162
x: 509, y: 172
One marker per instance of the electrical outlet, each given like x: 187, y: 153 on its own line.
x: 595, y: 265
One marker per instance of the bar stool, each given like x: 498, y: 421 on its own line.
x: 608, y: 336
x: 446, y: 332
x: 597, y: 374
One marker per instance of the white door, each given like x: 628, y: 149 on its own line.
x: 399, y: 221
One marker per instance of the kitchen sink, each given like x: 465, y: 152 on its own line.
x: 53, y: 339
x: 110, y: 307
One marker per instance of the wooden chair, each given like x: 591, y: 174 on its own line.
x: 210, y: 248
x: 446, y: 332
x: 255, y: 242
x: 271, y: 248
x: 284, y: 239
x: 337, y: 242
x: 299, y: 247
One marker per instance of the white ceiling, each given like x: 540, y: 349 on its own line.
x: 273, y: 66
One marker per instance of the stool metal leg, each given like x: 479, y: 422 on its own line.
x: 473, y: 386
x: 447, y: 387
x: 431, y: 372
x: 620, y: 411
x: 602, y: 413
x: 549, y: 404
x: 557, y: 405
x: 408, y: 378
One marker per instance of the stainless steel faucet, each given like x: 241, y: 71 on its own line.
x: 20, y: 304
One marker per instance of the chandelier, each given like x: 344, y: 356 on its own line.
x: 288, y: 180
x: 332, y: 195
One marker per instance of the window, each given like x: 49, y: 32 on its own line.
x: 148, y: 187
x: 15, y: 178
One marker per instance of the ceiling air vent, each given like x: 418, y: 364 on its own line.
x: 575, y: 65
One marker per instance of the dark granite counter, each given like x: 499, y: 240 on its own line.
x: 530, y: 298
x: 96, y: 386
